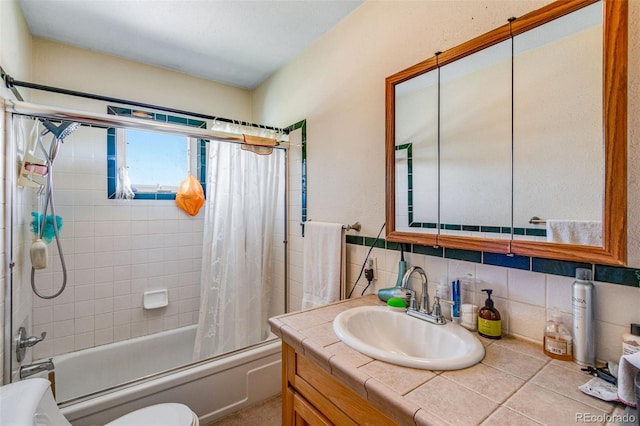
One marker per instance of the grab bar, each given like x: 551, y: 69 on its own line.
x: 356, y: 226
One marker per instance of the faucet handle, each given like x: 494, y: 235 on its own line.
x: 31, y: 341
x: 437, y: 310
x: 413, y: 303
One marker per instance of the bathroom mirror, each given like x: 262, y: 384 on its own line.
x: 475, y: 143
x: 487, y: 189
x: 416, y: 154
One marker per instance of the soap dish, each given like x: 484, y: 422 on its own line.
x: 155, y: 299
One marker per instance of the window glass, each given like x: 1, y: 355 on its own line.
x: 156, y: 160
x: 156, y: 163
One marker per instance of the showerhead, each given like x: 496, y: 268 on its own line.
x: 63, y: 130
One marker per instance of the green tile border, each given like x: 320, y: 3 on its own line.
x: 602, y: 273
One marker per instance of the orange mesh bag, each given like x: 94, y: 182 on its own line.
x: 190, y: 196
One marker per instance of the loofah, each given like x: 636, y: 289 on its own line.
x: 49, y: 232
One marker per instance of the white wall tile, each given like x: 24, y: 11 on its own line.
x: 527, y: 287
x: 526, y: 320
x: 617, y: 304
x: 559, y: 293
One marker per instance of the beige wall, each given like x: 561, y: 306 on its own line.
x: 338, y: 86
x: 65, y: 66
x: 15, y: 58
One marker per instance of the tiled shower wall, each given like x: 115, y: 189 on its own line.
x: 115, y: 250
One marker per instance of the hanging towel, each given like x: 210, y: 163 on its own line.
x: 627, y: 370
x: 582, y: 232
x: 323, y: 275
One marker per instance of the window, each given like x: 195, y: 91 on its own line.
x: 156, y: 162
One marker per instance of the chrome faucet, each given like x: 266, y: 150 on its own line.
x: 35, y: 368
x: 434, y: 316
x: 424, y: 305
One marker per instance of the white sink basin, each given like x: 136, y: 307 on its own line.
x: 393, y: 336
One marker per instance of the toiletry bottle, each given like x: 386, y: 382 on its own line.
x: 456, y: 298
x: 631, y: 340
x: 442, y: 291
x: 557, y: 342
x: 489, y: 322
x: 584, y: 348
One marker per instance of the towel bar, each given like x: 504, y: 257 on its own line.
x: 537, y: 221
x: 356, y: 226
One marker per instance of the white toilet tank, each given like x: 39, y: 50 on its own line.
x: 29, y: 402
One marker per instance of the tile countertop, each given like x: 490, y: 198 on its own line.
x: 515, y: 384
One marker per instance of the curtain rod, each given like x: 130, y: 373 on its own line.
x: 109, y: 120
x: 11, y: 84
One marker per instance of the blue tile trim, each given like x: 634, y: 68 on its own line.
x: 466, y: 255
x: 557, y: 267
x: 112, y: 173
x: 515, y: 262
x: 603, y: 273
x: 302, y: 124
x: 618, y: 275
x: 428, y: 250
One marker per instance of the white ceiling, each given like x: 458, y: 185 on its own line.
x: 237, y: 42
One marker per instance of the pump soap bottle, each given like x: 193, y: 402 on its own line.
x: 489, y: 322
x: 557, y: 342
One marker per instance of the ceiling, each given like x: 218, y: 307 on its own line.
x: 236, y: 42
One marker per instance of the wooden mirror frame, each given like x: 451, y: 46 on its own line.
x: 614, y: 224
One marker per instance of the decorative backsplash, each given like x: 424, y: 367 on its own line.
x: 602, y: 273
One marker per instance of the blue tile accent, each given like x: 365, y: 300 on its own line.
x: 427, y: 250
x: 466, y: 255
x: 557, y: 267
x: 302, y: 124
x: 536, y: 232
x: 491, y: 229
x: 603, y: 273
x: 516, y: 262
x: 618, y: 275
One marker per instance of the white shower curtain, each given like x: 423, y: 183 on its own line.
x: 240, y: 213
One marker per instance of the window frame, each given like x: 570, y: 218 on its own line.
x: 116, y: 152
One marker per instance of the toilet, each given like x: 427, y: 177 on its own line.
x: 30, y: 402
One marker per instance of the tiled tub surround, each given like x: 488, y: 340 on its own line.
x: 514, y: 384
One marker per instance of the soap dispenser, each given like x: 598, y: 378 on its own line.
x: 489, y: 322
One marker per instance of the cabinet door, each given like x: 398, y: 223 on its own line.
x: 306, y: 414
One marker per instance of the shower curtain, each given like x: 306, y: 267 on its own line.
x: 239, y: 223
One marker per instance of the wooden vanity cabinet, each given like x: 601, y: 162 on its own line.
x: 311, y: 396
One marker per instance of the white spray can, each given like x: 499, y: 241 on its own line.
x: 584, y: 348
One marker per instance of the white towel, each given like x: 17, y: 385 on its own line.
x: 627, y: 370
x: 582, y: 232
x: 322, y: 279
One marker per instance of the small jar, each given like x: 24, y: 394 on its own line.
x: 631, y: 340
x: 469, y: 318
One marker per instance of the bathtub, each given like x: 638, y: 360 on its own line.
x: 141, y: 371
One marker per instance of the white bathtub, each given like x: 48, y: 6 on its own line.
x: 212, y: 389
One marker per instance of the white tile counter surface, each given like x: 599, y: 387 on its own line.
x: 515, y: 384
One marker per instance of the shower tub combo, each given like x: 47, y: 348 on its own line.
x: 97, y: 385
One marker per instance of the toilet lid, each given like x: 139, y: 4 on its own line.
x: 169, y: 414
